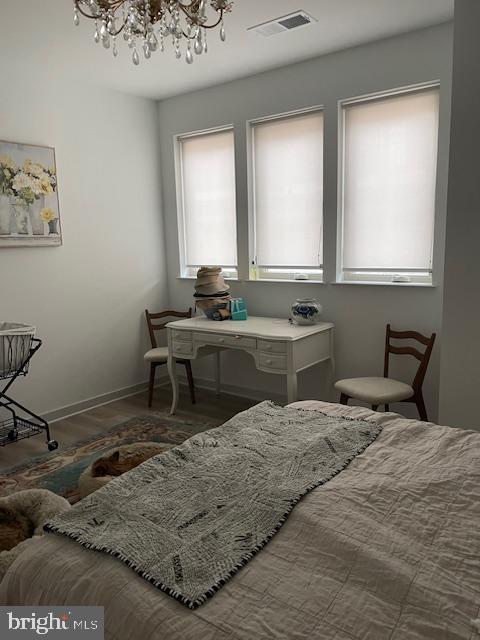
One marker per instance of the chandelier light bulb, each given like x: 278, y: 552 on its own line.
x: 186, y: 20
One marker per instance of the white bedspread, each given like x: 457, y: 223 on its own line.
x: 389, y: 549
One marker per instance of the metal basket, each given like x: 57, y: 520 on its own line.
x: 17, y: 347
x: 15, y: 344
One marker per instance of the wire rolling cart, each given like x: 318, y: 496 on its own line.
x: 17, y: 347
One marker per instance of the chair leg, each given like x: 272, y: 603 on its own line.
x: 421, y: 407
x: 343, y: 398
x: 191, y: 386
x: 374, y: 407
x: 153, y: 370
x: 387, y: 407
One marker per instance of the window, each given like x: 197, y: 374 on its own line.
x: 287, y: 196
x: 206, y: 199
x: 389, y: 180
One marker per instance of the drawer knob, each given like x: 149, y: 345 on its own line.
x: 269, y: 362
x: 237, y: 337
x: 268, y: 347
x: 222, y: 340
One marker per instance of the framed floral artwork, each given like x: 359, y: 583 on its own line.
x: 29, y: 211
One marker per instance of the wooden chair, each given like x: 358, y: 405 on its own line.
x: 378, y: 391
x: 158, y: 356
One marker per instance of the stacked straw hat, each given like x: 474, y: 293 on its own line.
x: 210, y: 283
x: 211, y: 293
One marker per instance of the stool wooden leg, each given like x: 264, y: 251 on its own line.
x: 343, y: 398
x: 191, y: 386
x: 421, y: 407
x: 151, y: 385
x: 387, y: 407
x: 374, y: 407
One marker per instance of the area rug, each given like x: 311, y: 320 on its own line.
x: 59, y: 472
x: 189, y: 519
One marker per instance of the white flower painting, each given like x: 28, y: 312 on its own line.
x: 29, y: 211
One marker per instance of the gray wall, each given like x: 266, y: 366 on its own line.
x: 460, y: 373
x: 359, y: 312
x: 86, y: 298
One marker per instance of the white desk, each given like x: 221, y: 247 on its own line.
x: 275, y: 345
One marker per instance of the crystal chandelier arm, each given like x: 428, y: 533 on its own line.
x: 114, y: 5
x: 196, y: 22
x: 203, y: 26
x: 82, y: 11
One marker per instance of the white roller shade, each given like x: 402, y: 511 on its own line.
x: 390, y: 160
x: 288, y: 183
x: 208, y: 190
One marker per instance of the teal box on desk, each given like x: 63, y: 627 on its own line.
x: 238, y: 309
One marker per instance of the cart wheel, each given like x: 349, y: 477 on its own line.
x: 52, y: 445
x: 12, y: 435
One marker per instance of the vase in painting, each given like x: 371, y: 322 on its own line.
x: 53, y: 227
x: 5, y: 215
x: 20, y: 218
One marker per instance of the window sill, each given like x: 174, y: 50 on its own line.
x: 423, y: 285
x: 286, y: 281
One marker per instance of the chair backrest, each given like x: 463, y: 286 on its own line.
x: 153, y: 326
x: 423, y: 357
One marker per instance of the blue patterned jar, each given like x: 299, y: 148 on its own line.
x: 306, y: 311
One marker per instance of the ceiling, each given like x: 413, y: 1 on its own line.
x: 40, y: 35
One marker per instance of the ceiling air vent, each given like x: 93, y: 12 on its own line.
x: 282, y: 24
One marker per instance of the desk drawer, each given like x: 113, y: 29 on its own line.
x: 182, y: 336
x: 225, y: 340
x: 270, y: 346
x: 182, y: 348
x: 273, y: 362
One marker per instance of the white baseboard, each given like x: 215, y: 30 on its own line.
x: 163, y: 381
x: 92, y: 403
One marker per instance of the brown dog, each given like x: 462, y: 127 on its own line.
x: 115, y: 464
x: 14, y: 528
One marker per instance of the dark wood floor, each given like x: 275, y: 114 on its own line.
x: 209, y: 408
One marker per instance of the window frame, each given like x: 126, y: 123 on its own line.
x: 274, y: 273
x: 186, y: 271
x: 394, y: 277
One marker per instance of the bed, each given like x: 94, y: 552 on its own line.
x: 387, y: 549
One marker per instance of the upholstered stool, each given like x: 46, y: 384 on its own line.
x: 121, y: 459
x: 34, y: 507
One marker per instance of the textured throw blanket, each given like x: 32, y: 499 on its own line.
x: 188, y: 519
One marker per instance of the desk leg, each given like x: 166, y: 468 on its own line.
x: 217, y: 373
x: 292, y: 387
x: 172, y: 371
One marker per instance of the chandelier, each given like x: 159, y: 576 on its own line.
x: 145, y: 25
